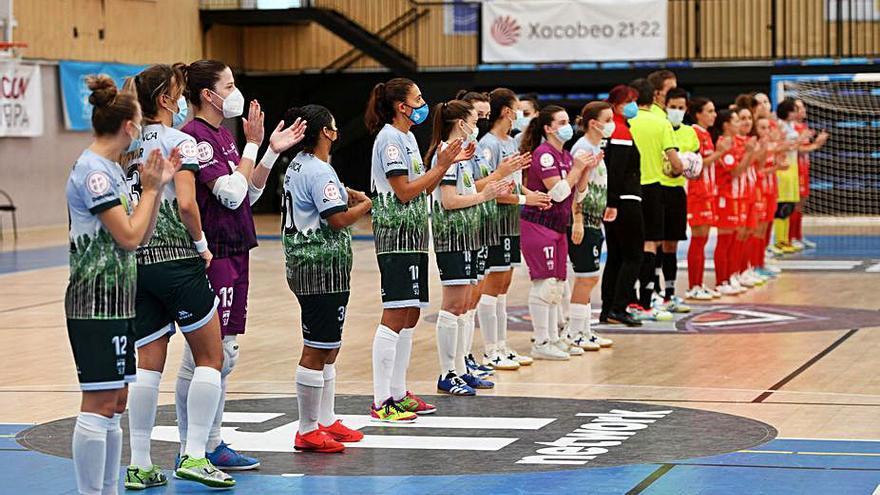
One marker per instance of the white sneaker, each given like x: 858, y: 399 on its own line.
x: 727, y: 290
x: 548, y: 351
x: 736, y: 284
x: 772, y: 267
x: 698, y: 294
x: 712, y: 292
x: 799, y: 245
x: 599, y: 340
x: 743, y: 280
x: 511, y: 354
x: 808, y: 243
x: 583, y: 341
x: 499, y: 360
x: 568, y: 346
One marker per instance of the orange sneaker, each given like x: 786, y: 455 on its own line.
x: 342, y: 433
x: 317, y: 441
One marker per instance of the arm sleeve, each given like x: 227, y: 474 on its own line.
x: 188, y: 154
x: 392, y: 155
x: 327, y: 196
x: 97, y: 191
x: 450, y: 178
x: 211, y: 166
x: 668, y: 140
x: 615, y: 174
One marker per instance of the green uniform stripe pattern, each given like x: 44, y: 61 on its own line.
x: 103, y: 278
x: 319, y: 261
x: 399, y: 227
x: 171, y: 241
x: 593, y: 205
x: 455, y: 230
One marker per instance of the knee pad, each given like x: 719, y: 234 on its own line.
x: 187, y: 364
x: 230, y: 355
x: 547, y: 290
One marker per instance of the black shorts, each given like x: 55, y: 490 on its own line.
x: 505, y: 255
x: 585, y: 256
x: 323, y: 316
x: 784, y: 210
x: 457, y: 267
x: 404, y: 280
x: 481, y: 261
x: 664, y: 210
x: 172, y: 291
x: 103, y: 351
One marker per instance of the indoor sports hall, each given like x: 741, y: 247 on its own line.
x: 440, y: 246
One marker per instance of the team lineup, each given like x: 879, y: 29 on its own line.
x: 161, y: 227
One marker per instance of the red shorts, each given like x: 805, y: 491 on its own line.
x: 700, y: 211
x: 803, y: 178
x: 727, y: 212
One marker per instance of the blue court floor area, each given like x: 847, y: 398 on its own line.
x: 779, y: 467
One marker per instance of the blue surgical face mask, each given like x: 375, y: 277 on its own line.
x: 565, y: 132
x: 179, y: 117
x: 521, y: 122
x: 471, y: 137
x: 135, y: 142
x: 420, y: 114
x: 630, y: 110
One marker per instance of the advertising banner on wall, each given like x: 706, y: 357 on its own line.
x: 21, y: 100
x: 75, y: 93
x: 537, y: 31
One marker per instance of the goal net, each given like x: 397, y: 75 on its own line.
x: 845, y: 173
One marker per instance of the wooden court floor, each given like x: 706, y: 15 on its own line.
x: 806, y: 384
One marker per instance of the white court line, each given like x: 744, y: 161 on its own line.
x: 875, y: 268
x: 831, y: 439
x: 876, y: 491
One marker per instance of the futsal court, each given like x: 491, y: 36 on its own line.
x: 771, y: 387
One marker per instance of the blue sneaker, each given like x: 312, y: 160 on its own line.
x: 477, y: 369
x: 765, y: 273
x: 454, y: 385
x: 227, y: 459
x: 477, y: 383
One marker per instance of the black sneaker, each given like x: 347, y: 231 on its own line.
x: 615, y: 317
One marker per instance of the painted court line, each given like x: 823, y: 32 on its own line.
x: 854, y: 454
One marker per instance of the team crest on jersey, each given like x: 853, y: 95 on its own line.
x: 204, y: 151
x: 98, y: 183
x: 579, y: 153
x: 331, y: 192
x: 728, y: 160
x: 392, y: 152
x: 487, y: 154
x: 188, y: 149
x: 547, y: 160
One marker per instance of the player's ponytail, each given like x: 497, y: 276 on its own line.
x: 317, y: 119
x: 534, y: 133
x: 110, y: 108
x: 383, y: 97
x: 446, y: 116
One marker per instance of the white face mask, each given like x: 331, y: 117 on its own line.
x: 608, y: 129
x: 472, y: 136
x: 233, y: 105
x: 676, y: 117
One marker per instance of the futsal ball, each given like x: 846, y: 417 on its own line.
x: 692, y: 163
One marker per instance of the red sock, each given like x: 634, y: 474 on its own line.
x: 756, y: 250
x: 722, y: 252
x: 696, y: 261
x: 734, y: 257
x: 795, y: 225
x: 768, y: 235
x: 761, y: 250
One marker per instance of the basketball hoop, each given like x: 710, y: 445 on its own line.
x: 11, y: 50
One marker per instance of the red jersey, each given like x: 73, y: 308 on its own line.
x: 704, y: 186
x: 728, y: 185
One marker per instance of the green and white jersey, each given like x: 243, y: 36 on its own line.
x: 103, y: 276
x: 398, y: 227
x: 318, y: 258
x: 494, y: 151
x: 170, y: 240
x: 489, y: 215
x: 458, y: 229
x: 593, y: 205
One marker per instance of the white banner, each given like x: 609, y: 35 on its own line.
x: 21, y: 100
x: 529, y: 31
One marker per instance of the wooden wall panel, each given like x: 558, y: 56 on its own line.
x: 135, y: 31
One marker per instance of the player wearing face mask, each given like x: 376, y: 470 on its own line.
x: 227, y: 184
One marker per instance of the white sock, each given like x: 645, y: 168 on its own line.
x: 539, y: 310
x: 447, y: 341
x: 460, y: 343
x: 113, y: 457
x: 214, y: 435
x: 470, y: 320
x: 181, y: 393
x: 580, y: 319
x: 501, y: 318
x: 487, y: 311
x: 143, y: 396
x: 384, y: 350
x: 553, y: 322
x: 565, y: 304
x: 201, y: 405
x: 309, y: 389
x: 90, y: 451
x: 401, y: 363
x: 327, y: 414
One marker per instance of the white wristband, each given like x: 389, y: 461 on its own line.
x: 250, y: 152
x: 522, y: 199
x: 201, y: 245
x: 269, y: 158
